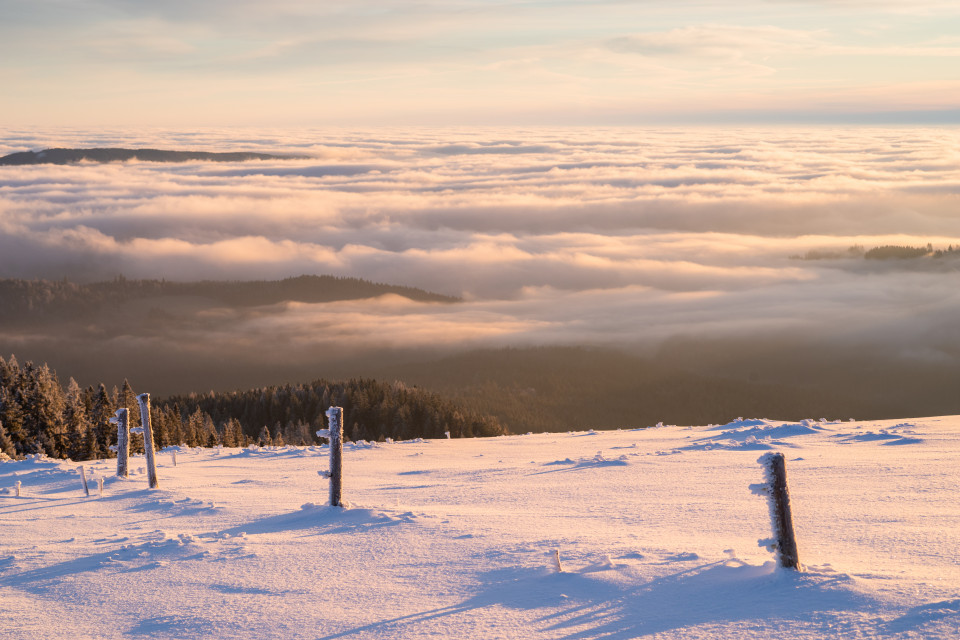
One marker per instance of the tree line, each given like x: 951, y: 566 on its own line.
x: 39, y: 416
x: 885, y: 252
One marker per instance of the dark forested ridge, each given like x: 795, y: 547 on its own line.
x: 686, y: 382
x: 29, y: 301
x: 72, y: 156
x: 37, y: 415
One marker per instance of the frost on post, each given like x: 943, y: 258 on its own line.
x: 774, y: 488
x: 335, y: 433
x: 144, y: 400
x: 122, y: 420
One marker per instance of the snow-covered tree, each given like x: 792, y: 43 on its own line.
x: 6, y: 444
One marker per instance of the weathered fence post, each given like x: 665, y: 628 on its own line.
x: 335, y: 433
x: 778, y: 499
x: 18, y: 488
x: 144, y: 400
x: 122, y: 420
x: 173, y: 454
x: 83, y: 480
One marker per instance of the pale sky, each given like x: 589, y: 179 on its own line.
x: 179, y: 63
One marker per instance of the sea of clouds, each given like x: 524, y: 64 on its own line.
x: 566, y: 236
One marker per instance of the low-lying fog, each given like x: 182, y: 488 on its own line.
x: 617, y: 237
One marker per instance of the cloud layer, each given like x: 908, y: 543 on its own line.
x: 625, y: 237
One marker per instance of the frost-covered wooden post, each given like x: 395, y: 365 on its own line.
x: 18, y: 488
x: 83, y: 481
x: 122, y: 420
x: 144, y: 400
x: 775, y: 489
x: 335, y: 434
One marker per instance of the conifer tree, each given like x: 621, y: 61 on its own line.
x: 264, y: 439
x: 194, y: 429
x: 176, y: 426
x: 6, y: 444
x: 127, y: 398
x: 227, y: 434
x: 238, y: 435
x: 158, y: 420
x: 104, y: 433
x: 278, y: 436
x: 11, y: 414
x: 43, y: 422
x: 209, y: 438
x: 76, y: 421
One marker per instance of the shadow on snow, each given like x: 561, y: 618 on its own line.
x: 583, y: 604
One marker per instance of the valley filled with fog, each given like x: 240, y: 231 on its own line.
x: 678, y: 248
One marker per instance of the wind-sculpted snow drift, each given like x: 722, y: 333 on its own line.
x: 458, y: 538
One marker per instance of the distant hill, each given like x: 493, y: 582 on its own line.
x: 72, y: 156
x: 32, y: 301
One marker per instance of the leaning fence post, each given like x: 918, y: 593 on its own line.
x: 778, y: 499
x: 83, y: 480
x: 335, y: 433
x: 144, y: 400
x: 122, y: 420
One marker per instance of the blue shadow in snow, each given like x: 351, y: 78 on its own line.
x: 925, y: 614
x: 323, y: 520
x: 581, y: 605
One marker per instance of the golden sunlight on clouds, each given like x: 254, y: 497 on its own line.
x: 612, y: 236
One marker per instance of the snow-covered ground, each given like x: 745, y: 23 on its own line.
x: 656, y: 529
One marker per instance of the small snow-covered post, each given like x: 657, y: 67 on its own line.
x: 100, y: 486
x: 144, y: 400
x: 335, y: 434
x: 18, y: 488
x: 173, y: 454
x: 83, y: 480
x: 775, y: 488
x: 122, y: 420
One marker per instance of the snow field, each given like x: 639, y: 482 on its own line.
x: 657, y: 532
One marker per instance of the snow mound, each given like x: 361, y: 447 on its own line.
x: 882, y: 436
x: 740, y: 423
x: 596, y: 461
x: 755, y: 435
x: 321, y: 519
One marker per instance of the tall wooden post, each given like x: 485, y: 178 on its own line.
x: 144, y: 400
x: 781, y: 519
x: 335, y: 416
x: 122, y: 420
